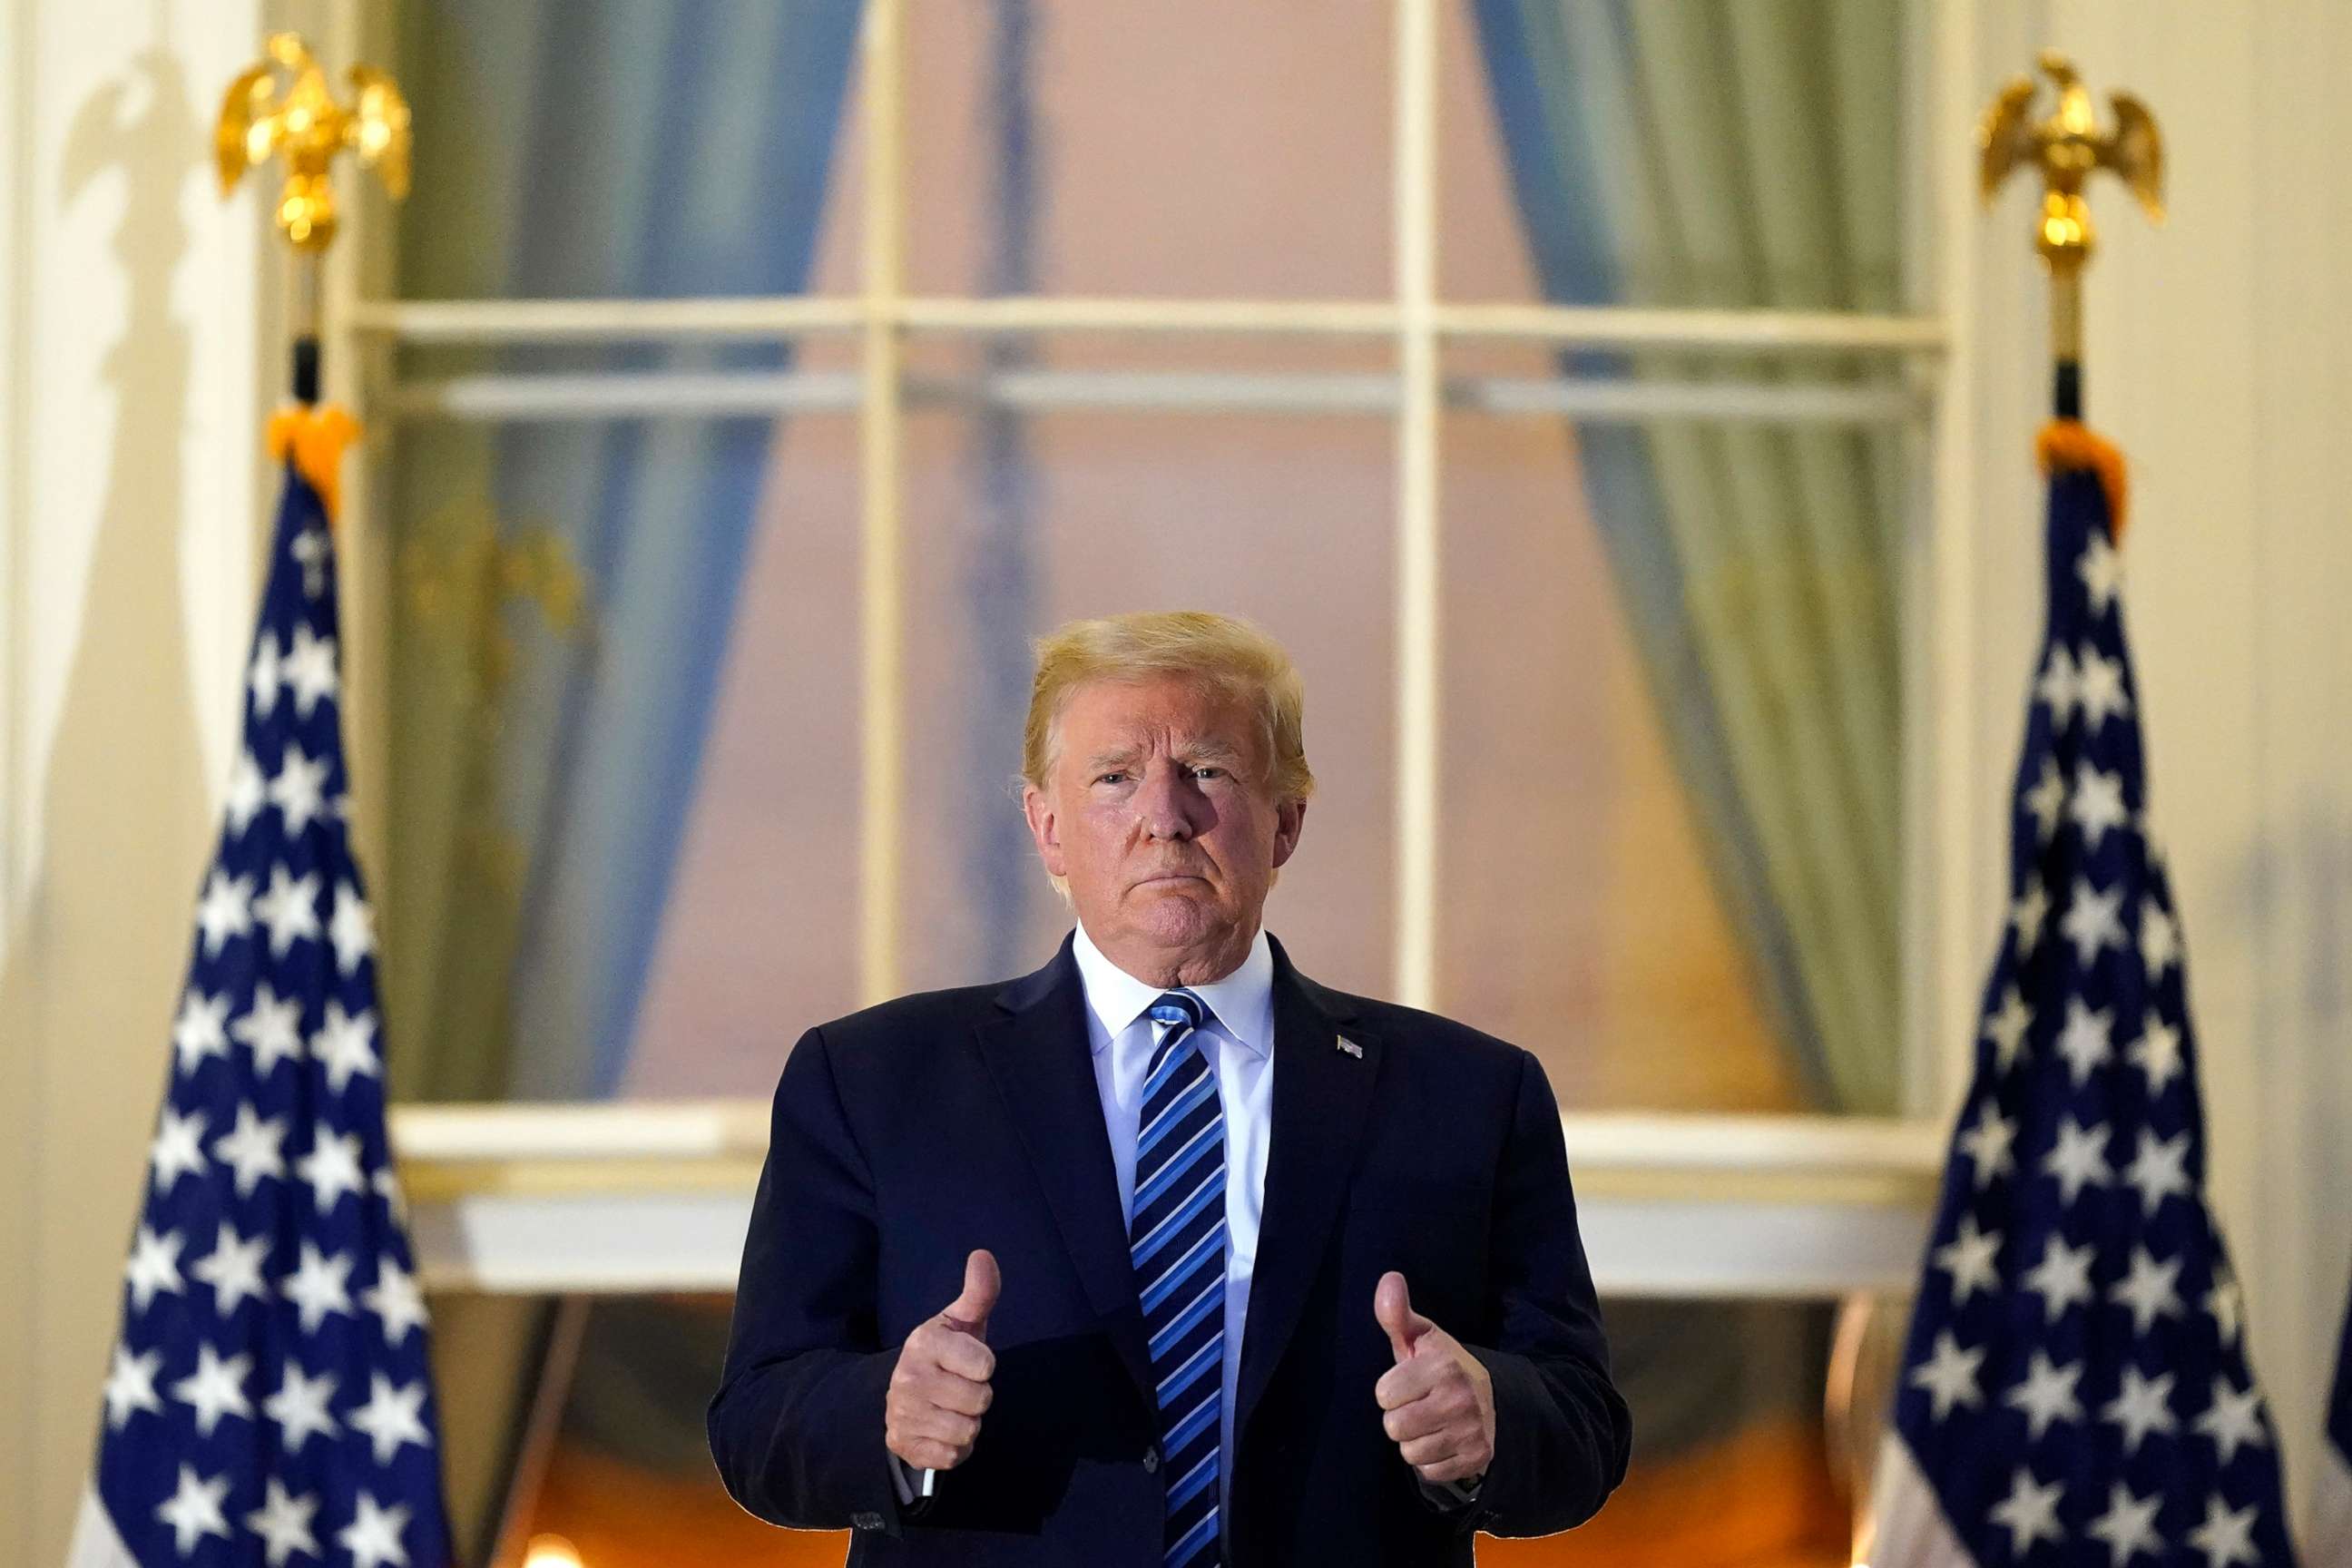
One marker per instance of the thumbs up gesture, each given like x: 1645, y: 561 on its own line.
x: 1439, y: 1397
x: 940, y: 1388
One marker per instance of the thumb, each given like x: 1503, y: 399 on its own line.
x: 969, y: 1312
x: 1392, y: 1305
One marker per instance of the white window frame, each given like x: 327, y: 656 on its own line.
x: 1683, y: 1205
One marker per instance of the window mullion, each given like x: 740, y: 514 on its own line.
x: 882, y: 588
x: 1414, y: 139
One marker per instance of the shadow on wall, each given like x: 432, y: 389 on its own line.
x: 103, y: 931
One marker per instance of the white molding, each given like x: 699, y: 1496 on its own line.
x: 1810, y: 1207
x: 469, y: 322
x: 1419, y: 554
x: 492, y: 397
x: 447, y: 1139
x: 1681, y: 1247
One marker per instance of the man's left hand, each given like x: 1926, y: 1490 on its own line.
x: 1439, y: 1398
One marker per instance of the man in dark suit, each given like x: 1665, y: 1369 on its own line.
x: 1165, y: 1255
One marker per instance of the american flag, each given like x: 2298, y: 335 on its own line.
x: 2075, y: 1386
x: 268, y: 1400
x: 2331, y: 1536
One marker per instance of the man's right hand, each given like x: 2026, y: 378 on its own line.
x: 940, y: 1388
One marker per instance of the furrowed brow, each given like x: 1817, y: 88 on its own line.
x: 1217, y: 752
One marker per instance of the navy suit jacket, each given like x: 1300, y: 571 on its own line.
x: 907, y: 1136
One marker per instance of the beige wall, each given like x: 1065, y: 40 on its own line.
x: 128, y: 488
x: 129, y: 496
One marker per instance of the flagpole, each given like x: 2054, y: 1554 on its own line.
x: 2066, y: 148
x: 308, y: 370
x: 301, y: 123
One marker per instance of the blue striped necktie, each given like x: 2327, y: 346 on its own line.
x: 1177, y: 1238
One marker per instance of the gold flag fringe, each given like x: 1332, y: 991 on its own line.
x: 2065, y: 444
x: 315, y: 436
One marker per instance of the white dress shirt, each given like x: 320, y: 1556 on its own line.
x: 1238, y: 1039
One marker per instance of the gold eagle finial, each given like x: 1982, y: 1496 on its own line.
x: 308, y: 128
x: 2066, y: 147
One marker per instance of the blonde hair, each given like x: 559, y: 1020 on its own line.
x: 1223, y: 652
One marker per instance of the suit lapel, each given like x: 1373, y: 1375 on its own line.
x: 1038, y: 1050
x: 1321, y: 1094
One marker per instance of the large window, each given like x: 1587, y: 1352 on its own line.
x: 750, y: 381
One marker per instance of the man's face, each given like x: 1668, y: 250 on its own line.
x: 1158, y: 813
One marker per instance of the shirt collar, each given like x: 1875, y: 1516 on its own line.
x: 1242, y: 1001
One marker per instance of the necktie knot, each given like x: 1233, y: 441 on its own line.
x: 1179, y: 1008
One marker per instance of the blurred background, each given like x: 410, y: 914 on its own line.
x: 1724, y: 582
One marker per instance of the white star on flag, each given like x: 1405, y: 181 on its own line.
x: 2047, y: 1395
x: 2148, y: 1290
x: 2157, y: 1054
x: 2025, y: 915
x: 317, y: 1286
x: 2101, y: 570
x: 2080, y: 1160
x: 2006, y: 1029
x: 193, y: 1512
x: 332, y: 1167
x: 283, y: 1523
x: 178, y: 1150
x: 2085, y: 1042
x: 390, y: 1417
x: 298, y: 791
x: 2030, y: 1512
x: 215, y: 1389
x: 130, y: 1386
x: 233, y: 1268
x: 227, y: 911
x: 352, y: 930
x: 372, y: 1537
x: 2159, y: 1169
x: 2099, y: 687
x: 2056, y: 689
x: 2091, y: 923
x: 341, y: 1046
x: 309, y: 669
x: 1950, y: 1377
x: 201, y: 1031
x: 154, y: 1266
x: 2227, y: 1536
x: 396, y: 1300
x: 263, y: 680
x: 247, y: 793
x: 2128, y: 1527
x: 1969, y: 1258
x: 1987, y: 1144
x: 2143, y: 1407
x: 289, y: 909
x: 251, y: 1149
x: 299, y: 1407
x: 2062, y: 1279
x: 2234, y: 1417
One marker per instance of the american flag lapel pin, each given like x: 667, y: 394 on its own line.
x: 1352, y: 1049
